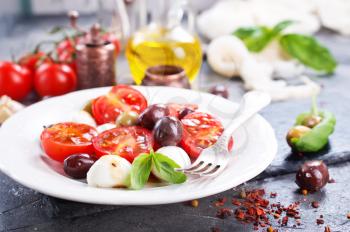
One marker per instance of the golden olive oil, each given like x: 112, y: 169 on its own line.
x: 155, y: 45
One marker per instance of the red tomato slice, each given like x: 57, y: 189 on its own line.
x: 201, y: 130
x: 121, y: 98
x: 127, y: 142
x: 176, y: 108
x: 64, y: 139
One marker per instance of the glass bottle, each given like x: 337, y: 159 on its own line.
x: 164, y: 40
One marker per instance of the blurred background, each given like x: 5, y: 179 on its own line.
x: 213, y: 17
x: 25, y: 23
x: 32, y: 19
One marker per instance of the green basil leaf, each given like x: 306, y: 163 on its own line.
x: 165, y: 168
x: 279, y: 27
x: 140, y: 171
x: 255, y: 38
x: 308, y: 51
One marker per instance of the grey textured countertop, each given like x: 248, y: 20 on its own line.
x: 22, y: 209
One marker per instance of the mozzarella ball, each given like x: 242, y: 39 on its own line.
x: 109, y: 171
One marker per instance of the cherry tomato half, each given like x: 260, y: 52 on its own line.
x: 121, y: 98
x: 200, y: 130
x: 127, y: 142
x: 64, y: 139
x: 15, y: 81
x: 54, y: 79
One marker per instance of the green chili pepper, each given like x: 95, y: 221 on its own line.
x: 315, y: 139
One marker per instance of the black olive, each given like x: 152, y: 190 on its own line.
x: 152, y: 114
x: 168, y: 131
x: 184, y: 112
x: 312, y: 175
x: 77, y: 166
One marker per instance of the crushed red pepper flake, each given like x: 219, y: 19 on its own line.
x: 273, y: 195
x: 284, y: 221
x: 236, y: 202
x: 315, y: 204
x: 224, y: 213
x: 331, y: 181
x: 348, y: 215
x: 220, y: 202
x: 319, y: 221
x: 253, y: 208
x: 327, y: 229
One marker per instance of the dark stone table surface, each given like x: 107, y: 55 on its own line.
x: 22, y: 209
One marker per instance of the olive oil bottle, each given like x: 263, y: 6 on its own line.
x: 156, y: 45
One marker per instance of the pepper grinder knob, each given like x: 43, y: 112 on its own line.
x: 95, y: 33
x: 73, y: 18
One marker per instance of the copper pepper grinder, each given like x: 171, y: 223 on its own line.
x: 95, y: 61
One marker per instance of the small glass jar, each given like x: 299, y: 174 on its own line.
x: 166, y: 75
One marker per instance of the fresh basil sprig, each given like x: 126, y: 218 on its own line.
x: 257, y: 38
x: 308, y: 51
x: 164, y: 166
x: 140, y: 171
x: 142, y: 166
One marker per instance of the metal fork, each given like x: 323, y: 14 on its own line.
x: 214, y: 159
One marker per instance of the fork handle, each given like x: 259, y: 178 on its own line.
x: 251, y: 104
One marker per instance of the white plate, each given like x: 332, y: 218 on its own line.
x: 22, y: 159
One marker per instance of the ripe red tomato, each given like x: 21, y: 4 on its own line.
x: 200, y: 130
x: 127, y: 142
x: 54, y: 79
x: 121, y: 98
x: 30, y: 61
x: 176, y: 108
x: 66, y: 51
x: 64, y: 139
x: 15, y: 81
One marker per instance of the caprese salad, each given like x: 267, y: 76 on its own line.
x: 119, y: 140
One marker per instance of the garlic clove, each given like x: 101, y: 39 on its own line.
x: 8, y: 107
